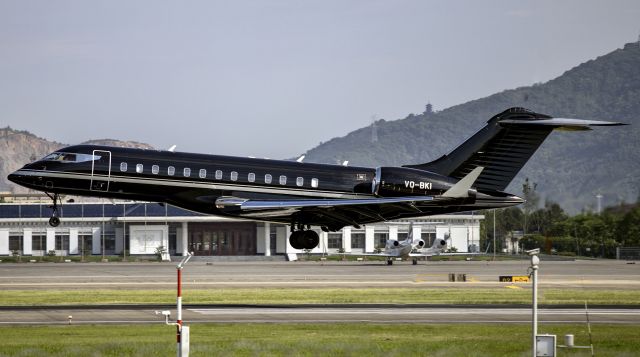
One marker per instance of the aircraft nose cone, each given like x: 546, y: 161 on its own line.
x: 14, y: 177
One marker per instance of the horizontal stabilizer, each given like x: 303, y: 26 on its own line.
x: 461, y: 188
x: 503, y: 147
x: 563, y: 123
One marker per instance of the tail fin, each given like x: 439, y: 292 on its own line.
x: 502, y: 147
x: 410, y: 234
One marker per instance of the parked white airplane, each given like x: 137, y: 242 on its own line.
x: 404, y: 248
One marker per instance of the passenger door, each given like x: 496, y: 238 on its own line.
x: 100, y: 175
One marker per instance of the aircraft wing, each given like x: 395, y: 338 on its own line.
x: 257, y: 205
x: 336, y: 213
x: 381, y: 255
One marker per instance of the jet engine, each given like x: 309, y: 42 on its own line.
x: 391, y: 243
x: 440, y: 244
x: 400, y: 181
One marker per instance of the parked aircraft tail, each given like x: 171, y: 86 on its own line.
x: 503, y: 146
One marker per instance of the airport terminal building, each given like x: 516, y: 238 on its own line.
x: 139, y: 228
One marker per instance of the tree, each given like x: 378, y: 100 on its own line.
x: 531, y: 202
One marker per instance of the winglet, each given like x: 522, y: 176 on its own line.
x: 461, y: 189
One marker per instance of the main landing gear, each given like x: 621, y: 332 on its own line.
x: 303, y: 239
x: 54, y: 221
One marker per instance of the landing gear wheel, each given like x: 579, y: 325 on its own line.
x: 54, y: 221
x: 415, y: 261
x: 304, y: 239
x: 389, y: 262
x: 295, y: 240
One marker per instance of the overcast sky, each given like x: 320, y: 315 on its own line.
x: 275, y: 78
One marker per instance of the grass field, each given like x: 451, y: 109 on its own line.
x: 310, y: 340
x: 497, y: 295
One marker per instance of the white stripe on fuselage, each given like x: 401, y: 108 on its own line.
x: 194, y: 184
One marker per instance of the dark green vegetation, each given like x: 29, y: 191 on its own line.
x: 427, y: 294
x: 570, y: 168
x: 344, y: 339
x: 554, y: 232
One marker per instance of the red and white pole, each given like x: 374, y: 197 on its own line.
x: 179, y: 329
x: 179, y: 306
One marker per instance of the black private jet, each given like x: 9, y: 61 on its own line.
x: 471, y: 177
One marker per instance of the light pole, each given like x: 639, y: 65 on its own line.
x: 494, y: 234
x: 182, y: 332
x: 535, y: 261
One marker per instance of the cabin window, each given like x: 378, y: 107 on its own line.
x: 251, y: 177
x: 155, y: 169
x: 171, y: 170
x: 186, y: 172
x: 218, y: 174
x: 283, y: 179
x: 314, y: 182
x: 361, y: 177
x: 123, y: 166
x: 202, y: 173
x: 267, y: 178
x: 70, y: 157
x: 299, y: 181
x: 139, y: 168
x: 234, y: 176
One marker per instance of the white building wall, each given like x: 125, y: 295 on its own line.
x: 324, y: 242
x: 182, y: 239
x: 346, y: 239
x: 96, y: 242
x: 27, y: 242
x: 393, y: 232
x: 4, y: 242
x: 417, y: 232
x: 146, y: 239
x: 51, y: 240
x: 73, y: 241
x: 369, y: 244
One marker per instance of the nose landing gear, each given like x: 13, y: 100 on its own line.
x: 54, y: 221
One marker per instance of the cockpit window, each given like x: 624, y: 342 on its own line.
x: 70, y: 157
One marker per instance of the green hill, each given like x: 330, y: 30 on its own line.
x: 570, y: 168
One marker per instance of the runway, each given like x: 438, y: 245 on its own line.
x: 322, y: 314
x: 68, y: 276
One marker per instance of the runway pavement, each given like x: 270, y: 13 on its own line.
x: 323, y: 314
x: 597, y: 274
x: 584, y: 274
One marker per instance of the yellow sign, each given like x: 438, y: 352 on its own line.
x: 514, y: 279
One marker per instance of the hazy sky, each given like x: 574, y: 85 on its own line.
x: 275, y: 78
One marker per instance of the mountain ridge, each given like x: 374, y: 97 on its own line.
x: 569, y: 168
x: 19, y: 147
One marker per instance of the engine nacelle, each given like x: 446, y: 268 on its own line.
x: 420, y: 243
x: 440, y: 243
x: 391, y: 243
x: 402, y: 181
